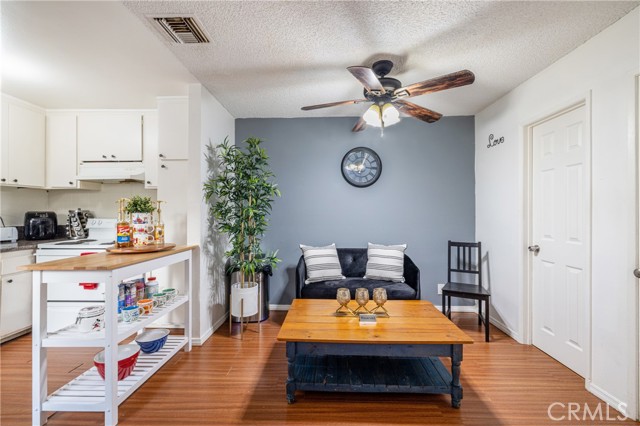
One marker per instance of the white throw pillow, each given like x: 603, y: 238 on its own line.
x: 385, y: 263
x: 322, y: 263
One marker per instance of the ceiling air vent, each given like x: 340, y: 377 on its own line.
x: 182, y: 30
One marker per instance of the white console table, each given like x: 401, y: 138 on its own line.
x: 89, y: 392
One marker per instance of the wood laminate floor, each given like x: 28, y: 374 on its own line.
x: 229, y: 381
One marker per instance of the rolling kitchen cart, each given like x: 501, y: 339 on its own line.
x: 89, y: 392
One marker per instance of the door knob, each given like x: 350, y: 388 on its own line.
x: 535, y: 249
x: 636, y: 272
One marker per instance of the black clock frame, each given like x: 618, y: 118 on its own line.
x: 370, y: 152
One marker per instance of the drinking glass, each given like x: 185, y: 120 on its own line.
x: 343, y: 297
x: 362, y: 298
x: 380, y: 297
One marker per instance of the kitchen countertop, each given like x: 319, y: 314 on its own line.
x: 26, y: 244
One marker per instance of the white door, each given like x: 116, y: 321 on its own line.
x: 561, y: 275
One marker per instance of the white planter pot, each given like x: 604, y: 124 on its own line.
x: 248, y: 296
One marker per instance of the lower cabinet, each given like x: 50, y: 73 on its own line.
x: 15, y: 305
x: 15, y: 295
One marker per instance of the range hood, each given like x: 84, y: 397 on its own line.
x: 111, y: 172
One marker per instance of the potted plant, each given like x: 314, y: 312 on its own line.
x: 240, y: 198
x: 140, y: 211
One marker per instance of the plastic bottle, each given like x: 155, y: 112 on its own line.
x: 123, y: 229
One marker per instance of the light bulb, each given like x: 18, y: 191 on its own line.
x: 373, y: 116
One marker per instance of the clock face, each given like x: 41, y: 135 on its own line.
x: 361, y: 167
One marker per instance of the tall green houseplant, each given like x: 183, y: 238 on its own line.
x: 240, y: 198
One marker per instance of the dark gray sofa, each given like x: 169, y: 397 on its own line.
x: 354, y: 264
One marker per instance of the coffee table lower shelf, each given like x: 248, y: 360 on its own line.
x: 379, y: 374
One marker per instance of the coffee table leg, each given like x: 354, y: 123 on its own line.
x: 456, y: 389
x: 291, y: 380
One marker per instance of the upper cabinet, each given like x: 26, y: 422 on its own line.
x: 173, y: 128
x: 109, y: 136
x: 150, y: 149
x: 61, y: 152
x: 22, y: 144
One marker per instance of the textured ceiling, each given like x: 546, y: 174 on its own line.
x: 268, y: 59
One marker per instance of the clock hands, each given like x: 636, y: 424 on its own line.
x: 361, y: 165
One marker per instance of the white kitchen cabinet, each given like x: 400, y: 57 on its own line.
x: 23, y: 144
x: 150, y: 149
x: 173, y: 128
x: 109, y: 136
x: 61, y: 152
x: 15, y: 295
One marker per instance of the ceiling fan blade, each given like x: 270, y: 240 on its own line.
x: 360, y: 125
x: 416, y: 111
x: 368, y: 78
x: 448, y: 81
x: 331, y: 104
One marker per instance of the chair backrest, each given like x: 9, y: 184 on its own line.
x: 466, y: 259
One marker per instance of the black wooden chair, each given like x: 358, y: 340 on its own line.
x: 467, y: 260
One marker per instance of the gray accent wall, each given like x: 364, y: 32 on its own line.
x: 424, y: 197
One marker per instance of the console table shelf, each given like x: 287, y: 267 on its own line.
x: 89, y: 392
x: 335, y: 373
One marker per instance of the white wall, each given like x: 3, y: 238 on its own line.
x: 14, y: 202
x: 209, y: 124
x: 604, y: 67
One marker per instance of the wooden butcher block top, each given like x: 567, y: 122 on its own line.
x: 411, y: 322
x: 102, y: 261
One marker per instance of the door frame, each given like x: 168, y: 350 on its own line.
x: 527, y: 294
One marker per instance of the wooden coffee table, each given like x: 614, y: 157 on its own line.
x: 398, y: 354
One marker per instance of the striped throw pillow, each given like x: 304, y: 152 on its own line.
x: 322, y: 263
x: 385, y: 263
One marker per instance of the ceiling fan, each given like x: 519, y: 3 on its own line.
x: 388, y: 95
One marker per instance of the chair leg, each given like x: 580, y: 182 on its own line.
x: 449, y: 309
x: 444, y: 306
x: 479, y: 312
x: 486, y: 319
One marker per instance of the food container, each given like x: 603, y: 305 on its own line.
x: 151, y: 287
x: 127, y: 358
x: 90, y: 318
x: 140, y: 294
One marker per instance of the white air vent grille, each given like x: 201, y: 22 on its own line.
x: 182, y: 30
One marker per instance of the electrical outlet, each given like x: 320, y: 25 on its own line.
x: 440, y: 288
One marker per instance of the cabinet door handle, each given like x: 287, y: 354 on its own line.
x: 113, y: 156
x: 163, y: 166
x: 3, y: 180
x: 104, y: 156
x: 9, y: 281
x: 636, y: 273
x: 70, y: 183
x: 534, y: 249
x: 148, y: 182
x: 161, y: 155
x: 15, y: 180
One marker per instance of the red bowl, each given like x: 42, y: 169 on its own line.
x: 127, y: 358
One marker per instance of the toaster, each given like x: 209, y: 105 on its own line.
x: 40, y: 225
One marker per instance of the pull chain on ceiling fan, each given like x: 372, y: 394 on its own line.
x: 388, y: 95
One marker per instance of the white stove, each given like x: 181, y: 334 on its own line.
x: 65, y: 300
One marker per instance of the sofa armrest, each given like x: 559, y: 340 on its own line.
x: 301, y: 276
x: 411, y: 275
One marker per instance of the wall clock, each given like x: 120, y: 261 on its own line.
x: 361, y: 167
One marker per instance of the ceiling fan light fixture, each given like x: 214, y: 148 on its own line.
x: 390, y: 115
x: 373, y: 116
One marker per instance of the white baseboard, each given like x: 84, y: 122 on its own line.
x: 472, y: 308
x: 198, y: 341
x: 506, y: 330
x: 611, y: 400
x: 279, y: 307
